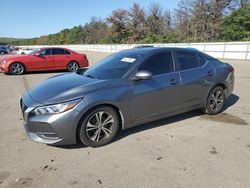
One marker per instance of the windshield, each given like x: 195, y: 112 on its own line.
x: 114, y: 66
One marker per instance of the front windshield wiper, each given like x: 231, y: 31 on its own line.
x: 90, y: 76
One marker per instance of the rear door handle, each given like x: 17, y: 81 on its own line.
x: 174, y: 81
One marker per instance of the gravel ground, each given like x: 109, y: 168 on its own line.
x: 187, y: 150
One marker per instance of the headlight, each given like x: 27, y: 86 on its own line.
x: 56, y: 108
x: 3, y: 62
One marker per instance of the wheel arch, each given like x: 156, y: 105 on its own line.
x: 72, y: 61
x: 25, y: 68
x: 118, y: 111
x: 220, y: 84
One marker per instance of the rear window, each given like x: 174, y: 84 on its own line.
x: 66, y: 52
x: 186, y: 60
x: 203, y: 58
x: 58, y: 51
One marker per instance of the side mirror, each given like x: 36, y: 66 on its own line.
x: 142, y: 75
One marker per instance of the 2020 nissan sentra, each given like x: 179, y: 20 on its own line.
x: 126, y: 89
x: 44, y: 59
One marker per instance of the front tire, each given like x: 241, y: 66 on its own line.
x: 215, y: 101
x: 16, y: 68
x: 99, y: 127
x: 73, y: 66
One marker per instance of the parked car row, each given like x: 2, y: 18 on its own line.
x: 44, y: 59
x: 5, y: 49
x: 25, y: 51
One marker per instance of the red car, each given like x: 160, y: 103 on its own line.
x: 44, y: 59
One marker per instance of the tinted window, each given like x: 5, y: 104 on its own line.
x: 66, y: 52
x: 58, y: 51
x: 158, y: 64
x: 114, y: 66
x: 202, y: 59
x: 186, y: 60
x: 46, y: 52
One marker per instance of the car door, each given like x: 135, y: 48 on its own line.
x: 157, y: 96
x: 195, y: 77
x: 44, y: 61
x: 61, y: 58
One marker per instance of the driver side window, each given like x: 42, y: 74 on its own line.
x: 45, y: 52
x: 158, y: 64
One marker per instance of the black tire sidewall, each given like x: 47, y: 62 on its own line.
x: 208, y: 109
x: 83, y: 123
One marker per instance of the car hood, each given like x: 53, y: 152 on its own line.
x: 64, y: 87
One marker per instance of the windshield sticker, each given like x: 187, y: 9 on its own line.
x: 128, y: 59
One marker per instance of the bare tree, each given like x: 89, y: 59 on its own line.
x: 155, y: 20
x: 182, y: 21
x: 201, y: 20
x: 167, y: 20
x: 137, y: 23
x: 119, y: 23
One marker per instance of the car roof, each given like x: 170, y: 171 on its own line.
x: 160, y: 49
x: 44, y: 48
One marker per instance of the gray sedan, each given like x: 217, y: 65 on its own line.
x: 124, y: 90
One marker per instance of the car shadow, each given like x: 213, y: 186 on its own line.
x: 231, y: 100
x: 47, y: 72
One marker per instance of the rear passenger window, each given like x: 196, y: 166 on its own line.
x: 202, y: 59
x: 158, y: 64
x: 58, y: 51
x: 186, y: 60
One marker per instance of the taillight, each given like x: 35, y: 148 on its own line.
x: 85, y: 59
x: 231, y: 69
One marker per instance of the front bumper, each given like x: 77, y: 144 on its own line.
x: 4, y: 68
x: 56, y: 129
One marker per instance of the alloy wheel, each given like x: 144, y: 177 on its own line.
x: 99, y: 126
x: 16, y: 68
x: 73, y: 66
x: 216, y: 101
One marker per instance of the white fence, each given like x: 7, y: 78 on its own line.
x: 223, y: 50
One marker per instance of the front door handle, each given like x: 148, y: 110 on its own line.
x: 174, y: 81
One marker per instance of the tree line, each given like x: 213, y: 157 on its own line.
x: 191, y: 21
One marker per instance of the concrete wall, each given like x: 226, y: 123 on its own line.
x: 222, y: 50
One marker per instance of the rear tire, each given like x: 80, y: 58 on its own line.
x: 17, y: 69
x: 98, y: 127
x: 215, y: 101
x: 73, y: 66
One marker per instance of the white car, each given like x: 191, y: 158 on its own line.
x: 25, y: 51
